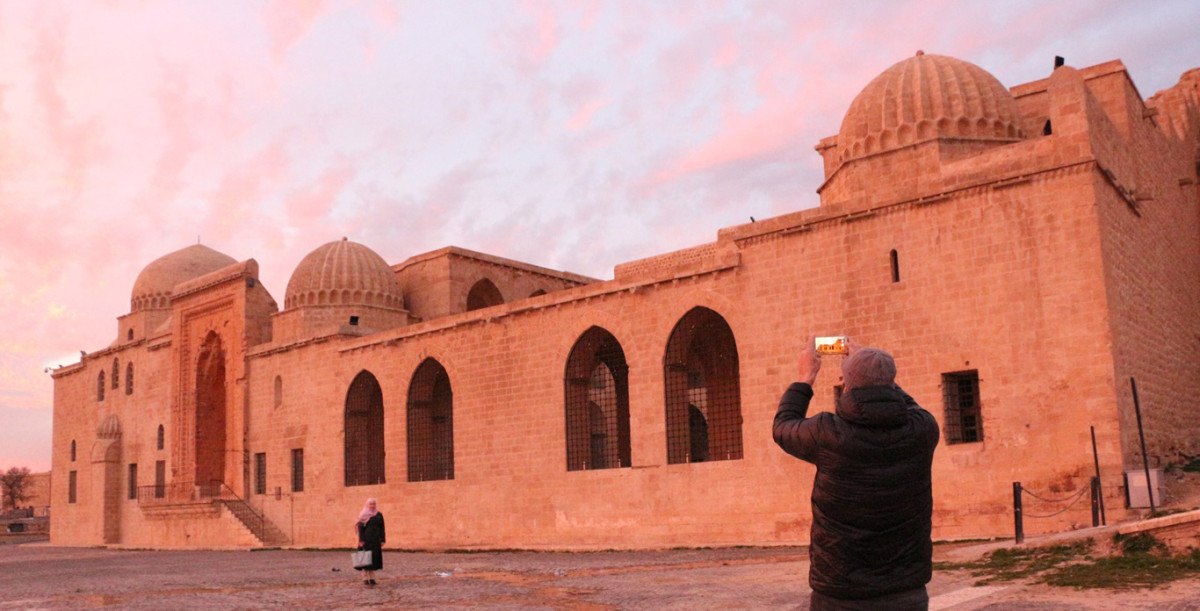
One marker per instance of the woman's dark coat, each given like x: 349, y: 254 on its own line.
x: 372, y: 537
x: 872, y: 498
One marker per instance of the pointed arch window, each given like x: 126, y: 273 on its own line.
x: 364, y: 452
x: 894, y: 258
x: 129, y: 378
x: 483, y: 294
x: 100, y: 386
x: 116, y: 374
x: 161, y: 440
x: 596, y: 388
x: 430, y: 424
x: 703, y: 396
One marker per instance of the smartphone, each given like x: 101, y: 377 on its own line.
x: 835, y: 344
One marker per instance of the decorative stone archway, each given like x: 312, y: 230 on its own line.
x: 210, y: 415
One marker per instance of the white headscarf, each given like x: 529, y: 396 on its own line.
x: 367, y: 512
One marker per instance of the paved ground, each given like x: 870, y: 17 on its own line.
x: 36, y: 576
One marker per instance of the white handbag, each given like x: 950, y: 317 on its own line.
x: 362, y: 558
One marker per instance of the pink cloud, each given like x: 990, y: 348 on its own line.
x: 583, y: 117
x: 289, y: 21
x: 317, y: 199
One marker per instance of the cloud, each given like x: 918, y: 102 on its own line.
x: 289, y: 21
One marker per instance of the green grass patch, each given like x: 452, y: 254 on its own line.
x: 1141, y: 561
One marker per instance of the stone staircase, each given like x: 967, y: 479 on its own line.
x: 263, y: 529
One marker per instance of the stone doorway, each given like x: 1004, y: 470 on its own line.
x: 210, y: 415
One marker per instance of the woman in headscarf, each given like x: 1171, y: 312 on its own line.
x: 371, y: 537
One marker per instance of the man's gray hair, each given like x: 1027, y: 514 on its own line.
x: 868, y: 367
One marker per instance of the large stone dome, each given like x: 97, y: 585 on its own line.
x: 152, y: 289
x: 343, y: 273
x: 926, y: 97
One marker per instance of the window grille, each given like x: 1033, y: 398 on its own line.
x: 100, y: 387
x: 364, y: 431
x: 71, y: 483
x: 129, y: 378
x: 597, y: 403
x: 116, y: 374
x: 483, y: 294
x: 160, y: 478
x: 703, y: 397
x: 430, y: 424
x: 161, y: 441
x: 132, y: 481
x: 963, y: 422
x: 260, y: 473
x: 298, y: 470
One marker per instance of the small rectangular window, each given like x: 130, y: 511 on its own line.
x: 132, y: 481
x: 964, y: 423
x: 260, y: 473
x: 71, y: 481
x: 298, y: 470
x: 160, y: 479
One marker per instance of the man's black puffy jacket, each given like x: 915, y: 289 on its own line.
x: 872, y: 499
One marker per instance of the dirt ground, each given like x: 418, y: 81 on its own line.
x: 37, y: 576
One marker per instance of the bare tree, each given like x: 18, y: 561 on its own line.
x: 16, y: 482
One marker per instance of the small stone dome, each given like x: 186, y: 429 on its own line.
x: 926, y: 97
x: 343, y: 273
x: 110, y: 428
x: 152, y: 289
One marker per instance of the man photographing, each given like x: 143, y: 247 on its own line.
x: 872, y: 499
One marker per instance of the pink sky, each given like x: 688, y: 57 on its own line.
x: 573, y: 135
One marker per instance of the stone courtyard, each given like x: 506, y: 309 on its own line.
x: 37, y: 576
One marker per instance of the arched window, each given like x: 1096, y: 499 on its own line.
x: 430, y: 424
x: 703, y: 397
x: 895, y: 259
x: 72, y: 450
x: 161, y: 441
x: 538, y: 293
x: 484, y: 294
x: 129, y: 378
x: 596, y: 386
x: 364, y: 431
x: 278, y: 391
x: 100, y: 386
x: 129, y: 335
x: 116, y: 374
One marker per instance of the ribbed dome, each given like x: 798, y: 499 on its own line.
x: 926, y: 97
x: 152, y: 289
x: 110, y: 428
x: 343, y: 273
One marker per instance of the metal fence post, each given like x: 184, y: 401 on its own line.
x: 1095, y: 501
x: 1018, y: 523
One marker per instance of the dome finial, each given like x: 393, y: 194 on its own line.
x: 920, y: 52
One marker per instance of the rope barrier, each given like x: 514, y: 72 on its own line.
x: 1078, y: 495
x: 1062, y: 500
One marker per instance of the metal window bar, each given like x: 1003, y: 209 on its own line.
x: 430, y: 414
x: 703, y: 398
x: 298, y: 470
x: 364, y: 451
x: 963, y: 421
x: 596, y: 391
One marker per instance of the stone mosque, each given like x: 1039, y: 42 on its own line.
x: 1024, y: 253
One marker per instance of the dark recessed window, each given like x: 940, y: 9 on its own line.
x: 703, y: 397
x: 129, y: 378
x: 100, y: 387
x: 260, y: 473
x: 161, y: 441
x: 71, y: 483
x: 298, y: 470
x: 116, y: 374
x: 483, y: 294
x: 895, y: 259
x: 364, y: 450
x: 160, y: 479
x: 597, y: 403
x: 72, y: 450
x: 430, y: 424
x: 132, y: 481
x: 964, y: 422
